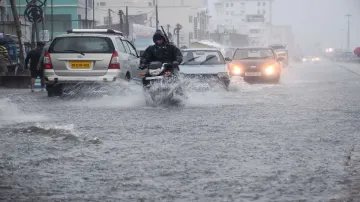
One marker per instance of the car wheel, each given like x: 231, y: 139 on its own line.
x: 127, y: 76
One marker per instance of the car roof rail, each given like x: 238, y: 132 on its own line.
x: 96, y: 31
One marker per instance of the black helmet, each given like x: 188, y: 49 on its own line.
x: 158, y: 35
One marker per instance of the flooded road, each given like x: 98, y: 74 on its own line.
x: 286, y: 142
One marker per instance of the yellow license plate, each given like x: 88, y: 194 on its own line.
x: 80, y: 64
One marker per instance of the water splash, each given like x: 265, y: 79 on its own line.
x: 10, y: 114
x: 120, y: 94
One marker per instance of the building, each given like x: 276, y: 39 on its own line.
x: 246, y: 17
x: 67, y: 14
x: 191, y: 14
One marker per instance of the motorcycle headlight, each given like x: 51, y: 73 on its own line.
x: 154, y: 72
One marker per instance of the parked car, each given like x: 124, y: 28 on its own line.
x: 89, y: 56
x: 256, y: 64
x: 205, y: 64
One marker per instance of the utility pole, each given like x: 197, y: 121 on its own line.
x: 52, y: 19
x: 157, y: 15
x: 18, y: 31
x: 121, y: 14
x: 44, y: 18
x: 93, y: 21
x: 109, y: 17
x: 86, y: 14
x: 348, y: 33
x: 127, y: 22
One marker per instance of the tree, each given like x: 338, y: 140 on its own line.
x: 18, y: 31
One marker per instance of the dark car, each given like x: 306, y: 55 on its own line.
x: 256, y: 64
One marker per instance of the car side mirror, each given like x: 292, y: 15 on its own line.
x: 227, y: 59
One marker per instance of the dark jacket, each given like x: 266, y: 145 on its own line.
x: 40, y: 65
x: 166, y: 53
x: 34, y: 57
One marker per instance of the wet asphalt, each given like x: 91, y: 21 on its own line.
x: 262, y: 142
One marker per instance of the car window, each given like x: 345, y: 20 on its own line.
x: 131, y: 48
x: 82, y: 44
x: 200, y: 57
x: 126, y: 46
x: 120, y: 45
x: 253, y: 53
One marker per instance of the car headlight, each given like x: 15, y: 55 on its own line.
x: 270, y: 70
x: 236, y: 70
x: 304, y: 60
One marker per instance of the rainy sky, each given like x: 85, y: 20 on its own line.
x: 319, y: 21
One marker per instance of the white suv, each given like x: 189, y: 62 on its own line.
x: 88, y: 56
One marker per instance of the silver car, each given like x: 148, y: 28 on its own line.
x: 88, y: 56
x: 205, y: 64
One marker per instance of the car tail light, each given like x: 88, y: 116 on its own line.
x: 47, y: 61
x: 115, y: 62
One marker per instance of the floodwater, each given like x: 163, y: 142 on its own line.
x: 286, y: 142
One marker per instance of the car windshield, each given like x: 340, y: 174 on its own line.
x: 82, y: 45
x: 202, y: 57
x: 278, y: 47
x: 253, y: 54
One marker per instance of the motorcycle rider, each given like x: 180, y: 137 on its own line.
x: 161, y: 51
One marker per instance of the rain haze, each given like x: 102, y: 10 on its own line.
x: 320, y: 21
x: 179, y: 100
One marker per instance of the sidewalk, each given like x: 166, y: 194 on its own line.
x: 352, y: 67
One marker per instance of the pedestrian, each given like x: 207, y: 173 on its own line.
x: 34, y: 57
x: 40, y: 65
x: 4, y: 55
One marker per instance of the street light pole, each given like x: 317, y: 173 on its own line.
x: 157, y: 15
x: 52, y: 19
x: 348, y: 33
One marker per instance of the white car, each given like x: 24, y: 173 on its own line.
x: 205, y: 64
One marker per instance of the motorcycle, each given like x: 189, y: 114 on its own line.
x: 161, y: 83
